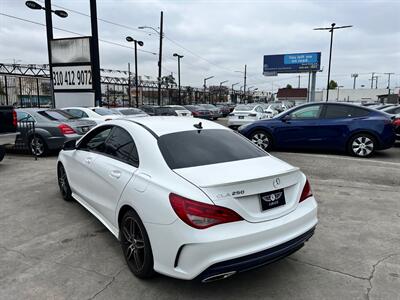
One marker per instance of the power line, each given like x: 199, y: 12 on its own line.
x: 72, y: 32
x: 100, y: 19
x: 148, y: 32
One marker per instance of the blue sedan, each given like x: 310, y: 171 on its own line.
x: 325, y: 126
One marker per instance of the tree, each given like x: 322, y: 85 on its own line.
x: 332, y: 84
x: 289, y: 86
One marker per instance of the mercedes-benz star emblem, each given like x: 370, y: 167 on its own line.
x: 276, y: 182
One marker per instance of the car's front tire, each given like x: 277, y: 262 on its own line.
x: 362, y: 145
x: 262, y: 139
x: 136, y: 246
x: 63, y: 183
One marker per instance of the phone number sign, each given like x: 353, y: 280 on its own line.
x: 72, y: 77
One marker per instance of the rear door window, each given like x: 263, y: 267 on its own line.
x: 204, y: 147
x: 334, y: 111
x: 121, y: 146
x: 77, y: 113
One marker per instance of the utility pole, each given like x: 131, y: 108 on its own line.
x: 95, y: 53
x: 331, y: 29
x: 160, y: 57
x: 388, y: 86
x: 205, y: 87
x: 129, y: 86
x: 244, y: 85
x: 354, y: 76
x: 49, y: 31
x: 372, y: 80
x: 376, y: 82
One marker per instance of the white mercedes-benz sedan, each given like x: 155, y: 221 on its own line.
x: 188, y: 199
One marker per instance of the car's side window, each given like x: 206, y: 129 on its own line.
x: 23, y: 116
x: 96, y: 141
x: 121, y: 146
x: 308, y: 112
x: 344, y: 111
x: 77, y: 113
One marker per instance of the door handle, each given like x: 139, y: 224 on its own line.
x: 115, y: 174
x: 88, y: 160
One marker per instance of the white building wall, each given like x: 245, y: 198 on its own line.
x: 353, y: 95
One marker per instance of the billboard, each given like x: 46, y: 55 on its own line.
x: 72, y: 72
x: 291, y: 63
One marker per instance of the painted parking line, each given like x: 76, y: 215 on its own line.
x: 344, y: 158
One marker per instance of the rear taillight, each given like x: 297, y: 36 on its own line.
x: 396, y: 122
x: 252, y: 115
x: 195, y: 113
x: 14, y: 118
x: 107, y: 119
x: 201, y: 215
x: 306, y: 193
x: 66, y: 129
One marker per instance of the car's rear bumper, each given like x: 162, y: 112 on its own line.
x: 183, y: 252
x: 57, y: 142
x: 8, y: 138
x: 240, y: 122
x: 258, y: 259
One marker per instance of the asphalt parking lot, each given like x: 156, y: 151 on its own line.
x: 51, y: 249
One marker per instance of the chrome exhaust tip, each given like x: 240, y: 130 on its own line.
x: 218, y: 277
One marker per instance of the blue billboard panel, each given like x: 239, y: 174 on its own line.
x: 292, y: 63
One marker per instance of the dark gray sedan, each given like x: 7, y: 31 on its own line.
x: 53, y: 127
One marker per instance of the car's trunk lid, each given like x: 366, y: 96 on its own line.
x: 239, y: 184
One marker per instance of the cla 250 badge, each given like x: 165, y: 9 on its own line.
x: 234, y: 193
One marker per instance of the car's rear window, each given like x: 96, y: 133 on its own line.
x: 244, y: 107
x: 104, y: 111
x: 205, y: 147
x: 131, y: 111
x: 56, y: 115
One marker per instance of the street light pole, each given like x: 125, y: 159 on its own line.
x: 244, y: 85
x: 179, y: 76
x: 160, y: 57
x: 219, y: 90
x: 205, y: 87
x: 49, y: 32
x: 233, y: 89
x: 331, y: 30
x: 130, y: 39
x: 161, y: 34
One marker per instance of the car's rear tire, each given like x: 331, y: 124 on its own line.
x: 136, y: 245
x: 362, y: 145
x: 262, y: 139
x: 63, y: 183
x: 38, y: 146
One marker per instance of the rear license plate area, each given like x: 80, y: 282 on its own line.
x: 272, y: 199
x: 85, y: 129
x: 241, y: 117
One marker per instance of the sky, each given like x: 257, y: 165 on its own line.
x: 217, y: 38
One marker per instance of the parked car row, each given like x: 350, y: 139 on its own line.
x: 326, y: 126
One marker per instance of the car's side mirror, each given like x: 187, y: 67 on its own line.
x: 286, y: 118
x: 70, y: 145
